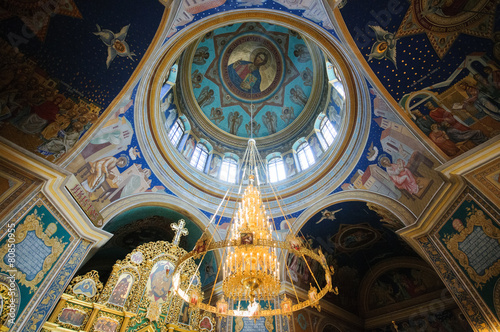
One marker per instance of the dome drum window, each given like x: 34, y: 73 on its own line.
x: 305, y: 156
x: 176, y: 132
x: 276, y: 169
x: 229, y: 170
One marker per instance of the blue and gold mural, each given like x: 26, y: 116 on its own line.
x: 70, y: 76
x: 438, y: 60
x: 253, y: 71
x: 471, y: 236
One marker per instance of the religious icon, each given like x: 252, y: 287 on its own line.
x: 206, y: 324
x: 72, y: 316
x: 160, y: 281
x: 121, y: 290
x: 105, y: 324
x: 184, y: 314
x: 201, y: 245
x: 312, y: 293
x: 286, y: 306
x: 221, y: 307
x: 85, y: 287
x: 246, y: 74
x: 246, y: 238
x: 195, y: 297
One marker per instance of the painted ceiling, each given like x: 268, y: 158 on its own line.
x: 231, y: 95
x: 69, y: 85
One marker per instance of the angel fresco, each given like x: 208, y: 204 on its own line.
x: 298, y: 96
x: 206, y: 97
x: 270, y: 120
x: 115, y: 42
x: 234, y: 121
x: 302, y: 53
x: 252, y: 128
x: 216, y: 115
x: 287, y: 115
x: 385, y: 45
x: 307, y: 77
x: 201, y: 55
x: 196, y: 78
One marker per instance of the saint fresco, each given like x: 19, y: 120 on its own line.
x: 105, y: 324
x: 252, y: 67
x: 120, y: 292
x: 72, y: 316
x: 159, y: 281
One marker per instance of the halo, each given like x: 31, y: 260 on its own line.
x: 383, y: 155
x: 270, y: 59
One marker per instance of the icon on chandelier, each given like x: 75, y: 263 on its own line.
x: 246, y: 238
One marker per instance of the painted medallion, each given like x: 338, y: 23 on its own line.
x: 251, y: 67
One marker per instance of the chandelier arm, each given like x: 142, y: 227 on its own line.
x: 264, y: 313
x: 310, y: 270
x: 225, y: 248
x: 217, y: 275
x: 211, y: 238
x: 291, y: 280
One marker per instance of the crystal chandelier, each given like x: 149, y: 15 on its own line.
x: 250, y: 268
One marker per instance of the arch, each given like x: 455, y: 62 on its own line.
x: 160, y: 200
x: 385, y: 266
x: 393, y: 206
x: 328, y: 326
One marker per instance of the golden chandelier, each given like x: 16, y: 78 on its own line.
x: 250, y: 268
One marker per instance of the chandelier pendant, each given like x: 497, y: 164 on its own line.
x: 250, y: 269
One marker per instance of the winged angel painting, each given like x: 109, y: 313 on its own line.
x: 115, y: 42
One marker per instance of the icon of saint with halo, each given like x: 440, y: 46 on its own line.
x: 246, y: 74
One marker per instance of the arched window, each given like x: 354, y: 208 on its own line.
x: 276, y: 169
x: 199, y: 157
x: 228, y: 170
x: 305, y: 155
x: 328, y: 131
x: 176, y: 132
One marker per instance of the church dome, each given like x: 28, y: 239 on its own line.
x: 252, y: 71
x: 277, y: 84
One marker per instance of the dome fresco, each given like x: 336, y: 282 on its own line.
x: 247, y: 68
x: 402, y: 196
